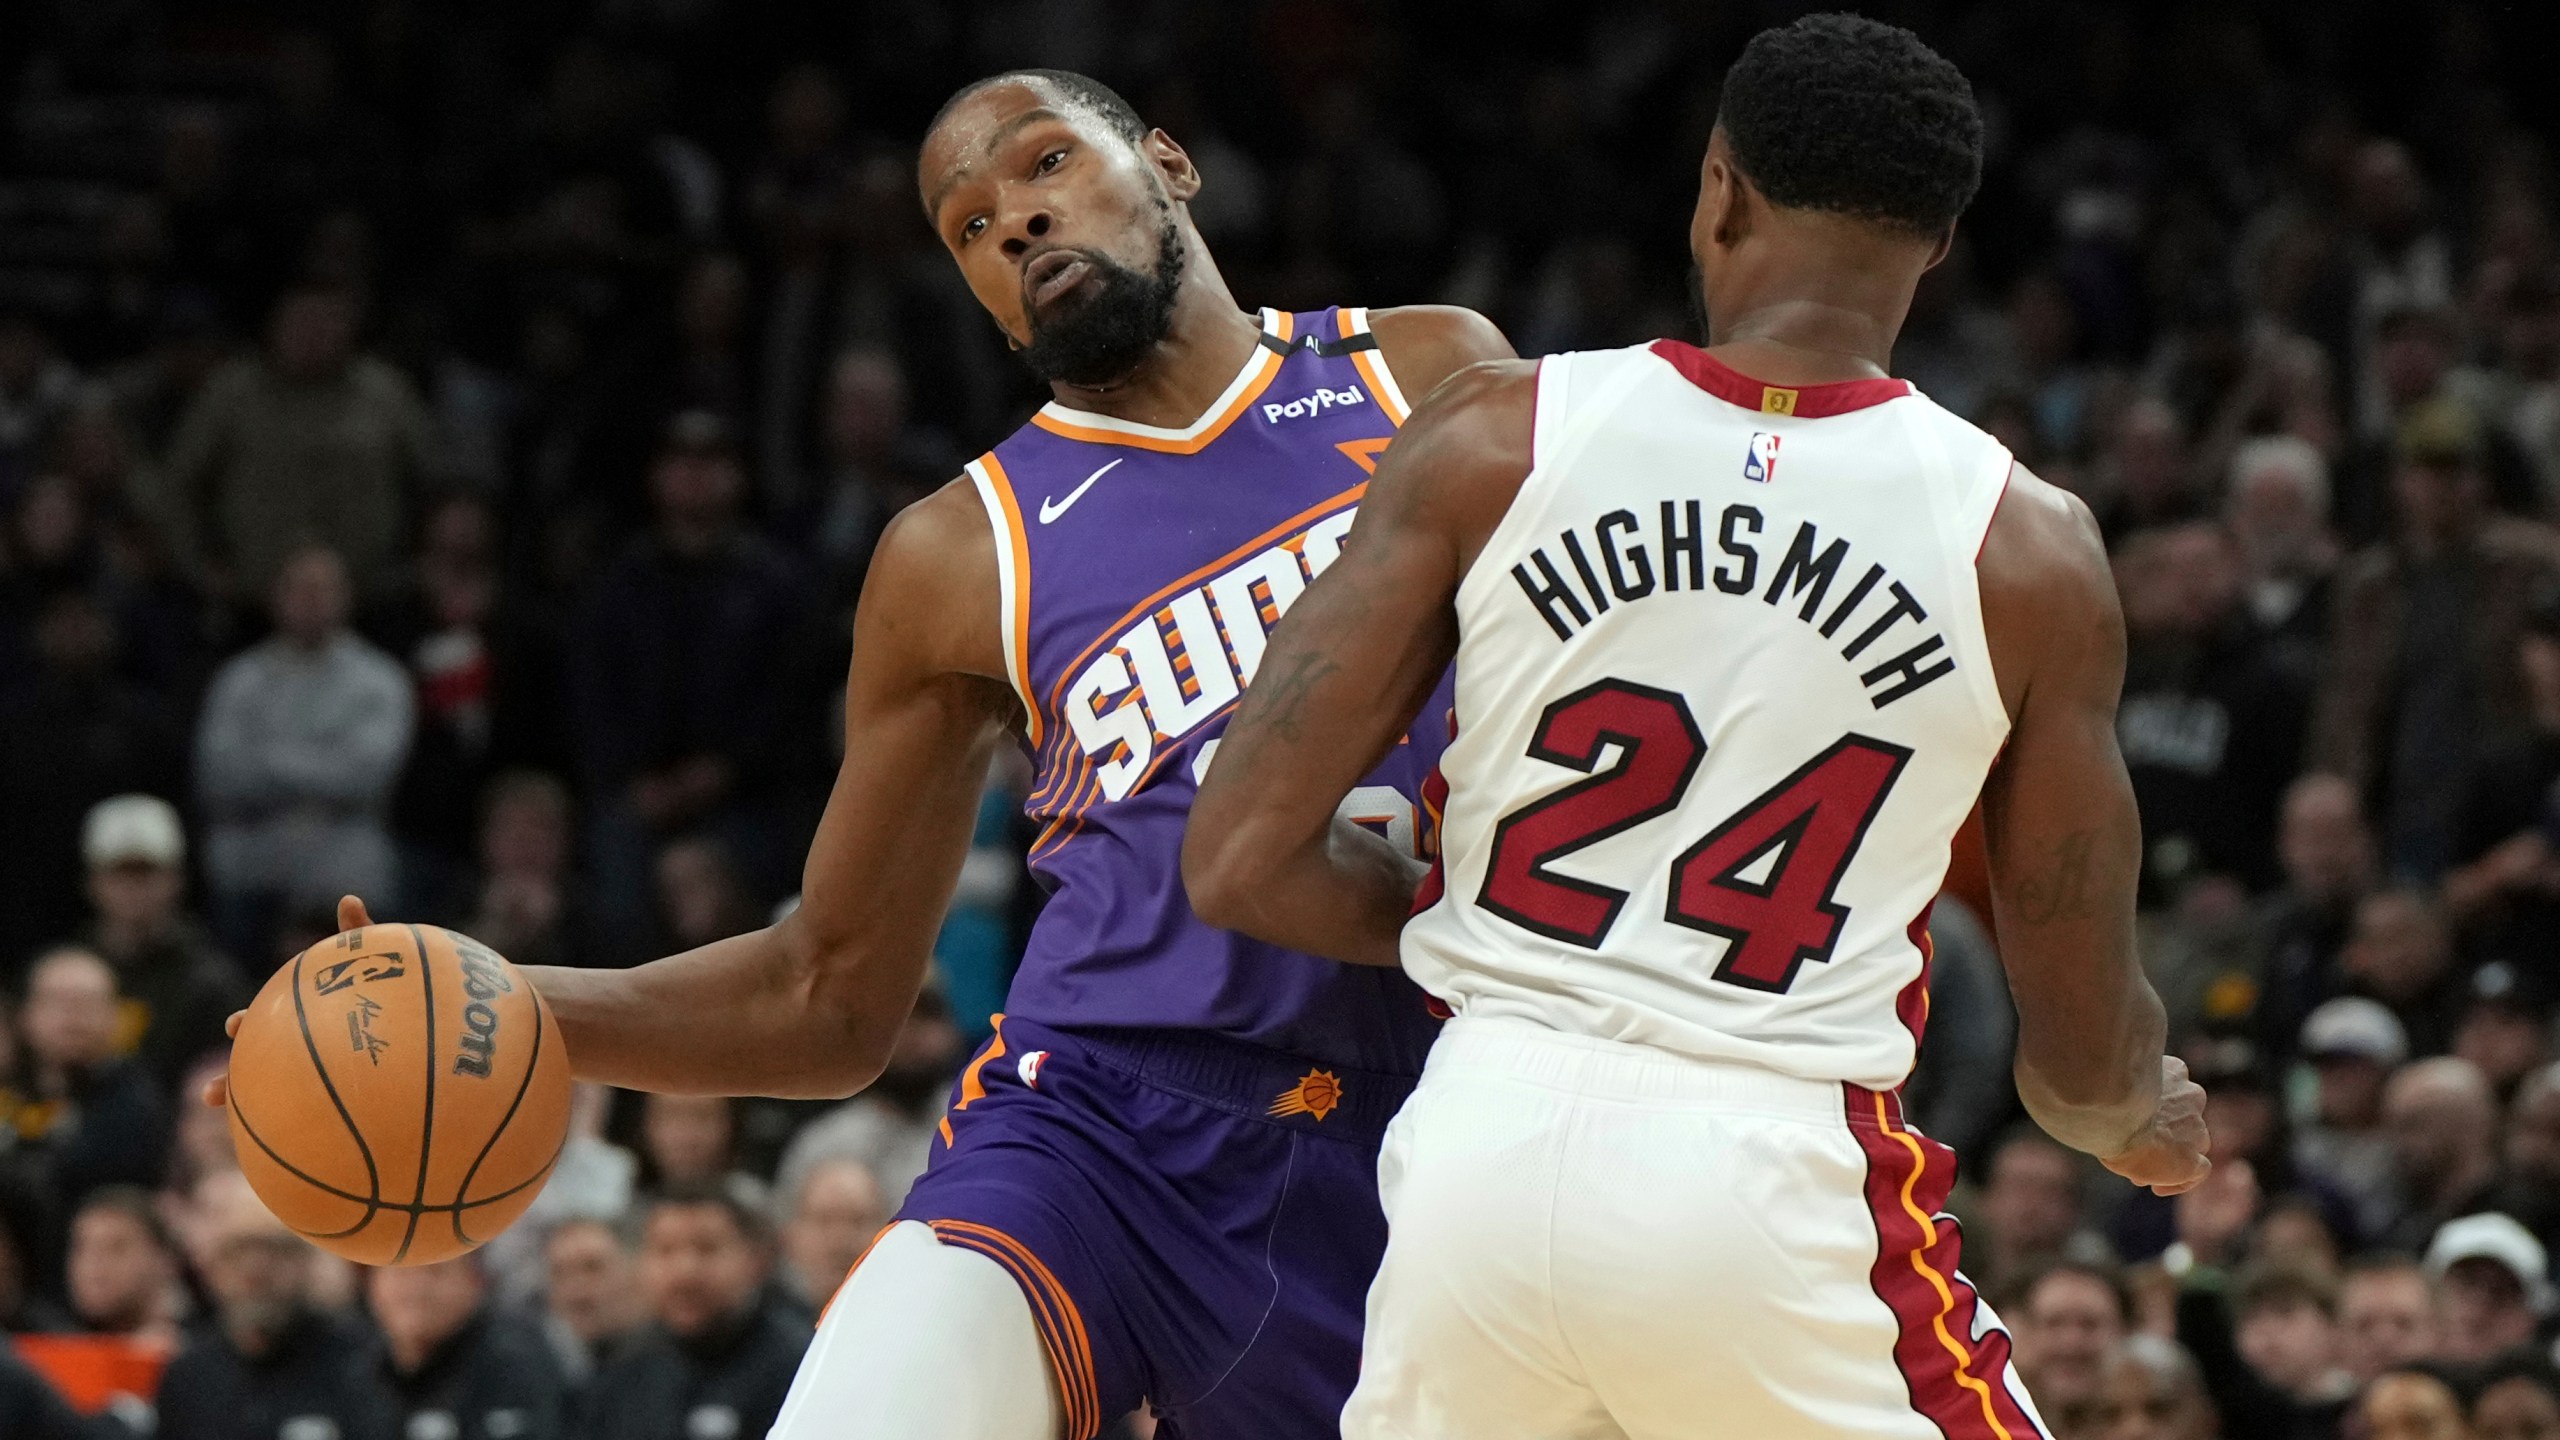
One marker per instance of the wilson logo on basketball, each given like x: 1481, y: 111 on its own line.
x: 484, y: 978
x: 1316, y: 1093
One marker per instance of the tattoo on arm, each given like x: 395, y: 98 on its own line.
x: 2061, y: 889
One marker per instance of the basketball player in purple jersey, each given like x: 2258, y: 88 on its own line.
x: 1158, y: 1180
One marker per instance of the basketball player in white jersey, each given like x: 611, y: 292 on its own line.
x: 1741, y: 635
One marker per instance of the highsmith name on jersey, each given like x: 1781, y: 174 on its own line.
x: 1723, y: 699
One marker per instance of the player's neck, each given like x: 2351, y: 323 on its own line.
x: 1202, y: 351
x: 1802, y: 340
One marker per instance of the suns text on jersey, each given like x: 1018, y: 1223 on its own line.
x: 1613, y: 560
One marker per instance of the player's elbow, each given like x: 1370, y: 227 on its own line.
x: 843, y: 1036
x: 1222, y: 875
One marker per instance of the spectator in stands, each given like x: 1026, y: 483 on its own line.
x: 2443, y: 1121
x: 272, y: 1363
x: 2152, y: 1391
x: 2352, y: 1044
x: 2327, y: 855
x: 23, y: 1306
x: 83, y: 1117
x: 2210, y: 725
x: 485, y: 680
x: 251, y: 483
x: 2401, y: 954
x: 2517, y: 1398
x: 2422, y: 652
x: 872, y: 465
x: 525, y: 907
x: 301, y: 740
x: 688, y: 1139
x: 72, y: 733
x: 2505, y: 1025
x: 889, y: 1128
x: 37, y: 387
x: 2031, y: 1207
x: 701, y: 897
x: 591, y: 1296
x: 457, y: 1366
x: 2505, y: 888
x: 2388, y: 1309
x: 2288, y: 1332
x: 2495, y: 1281
x: 2064, y: 1317
x: 717, y: 1357
x: 2530, y: 1189
x: 201, y: 1145
x: 685, y: 678
x: 123, y: 1275
x: 591, y: 1180
x: 835, y: 1215
x: 2412, y: 1404
x: 178, y: 988
x: 2277, y: 510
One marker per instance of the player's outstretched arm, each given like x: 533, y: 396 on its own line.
x: 2066, y: 848
x: 1346, y: 670
x: 807, y: 1007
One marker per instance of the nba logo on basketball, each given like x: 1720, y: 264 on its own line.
x: 1760, y: 462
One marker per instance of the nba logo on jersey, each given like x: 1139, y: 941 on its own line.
x: 1760, y: 462
x: 1028, y: 1067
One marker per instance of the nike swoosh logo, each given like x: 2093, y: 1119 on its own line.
x: 1052, y: 508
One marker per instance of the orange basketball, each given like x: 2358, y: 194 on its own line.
x: 398, y: 1094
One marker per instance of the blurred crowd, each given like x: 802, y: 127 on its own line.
x: 440, y: 445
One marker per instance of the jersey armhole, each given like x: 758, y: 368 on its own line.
x: 1353, y: 320
x: 1978, y: 501
x: 1013, y: 581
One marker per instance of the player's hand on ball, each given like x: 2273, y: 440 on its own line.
x: 351, y: 916
x: 2170, y: 1156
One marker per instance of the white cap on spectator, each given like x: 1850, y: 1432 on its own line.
x: 133, y: 828
x: 2503, y: 1241
x: 2354, y: 1025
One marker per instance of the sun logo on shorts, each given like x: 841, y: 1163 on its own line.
x: 1316, y: 1093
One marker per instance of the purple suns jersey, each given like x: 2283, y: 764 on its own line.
x: 1141, y: 571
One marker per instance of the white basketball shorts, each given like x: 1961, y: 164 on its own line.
x: 1592, y: 1239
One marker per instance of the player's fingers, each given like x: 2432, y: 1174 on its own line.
x: 217, y: 1091
x: 231, y: 1027
x: 351, y: 914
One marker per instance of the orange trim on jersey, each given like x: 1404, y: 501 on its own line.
x: 1265, y: 361
x: 1053, y: 1313
x: 973, y: 1081
x: 1924, y: 1301
x: 1372, y: 365
x: 1019, y: 541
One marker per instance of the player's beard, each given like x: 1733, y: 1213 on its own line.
x: 1101, y: 334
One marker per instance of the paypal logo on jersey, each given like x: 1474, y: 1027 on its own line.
x: 1190, y: 658
x: 1314, y: 404
x: 1760, y: 462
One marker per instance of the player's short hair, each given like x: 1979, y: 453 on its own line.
x: 1081, y: 92
x: 1856, y: 117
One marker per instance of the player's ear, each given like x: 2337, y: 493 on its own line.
x: 1939, y: 252
x: 1181, y: 177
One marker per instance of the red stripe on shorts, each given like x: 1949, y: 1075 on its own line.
x: 1958, y: 1382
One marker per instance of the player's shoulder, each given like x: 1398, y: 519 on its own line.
x: 1427, y: 344
x: 2041, y: 535
x: 934, y: 580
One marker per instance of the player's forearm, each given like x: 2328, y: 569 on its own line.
x: 749, y: 1015
x: 2093, y: 1082
x: 1344, y: 895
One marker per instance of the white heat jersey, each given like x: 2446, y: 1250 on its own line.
x: 1723, y: 700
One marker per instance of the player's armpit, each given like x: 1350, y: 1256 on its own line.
x: 807, y: 1007
x: 2064, y: 840
x: 1347, y: 669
